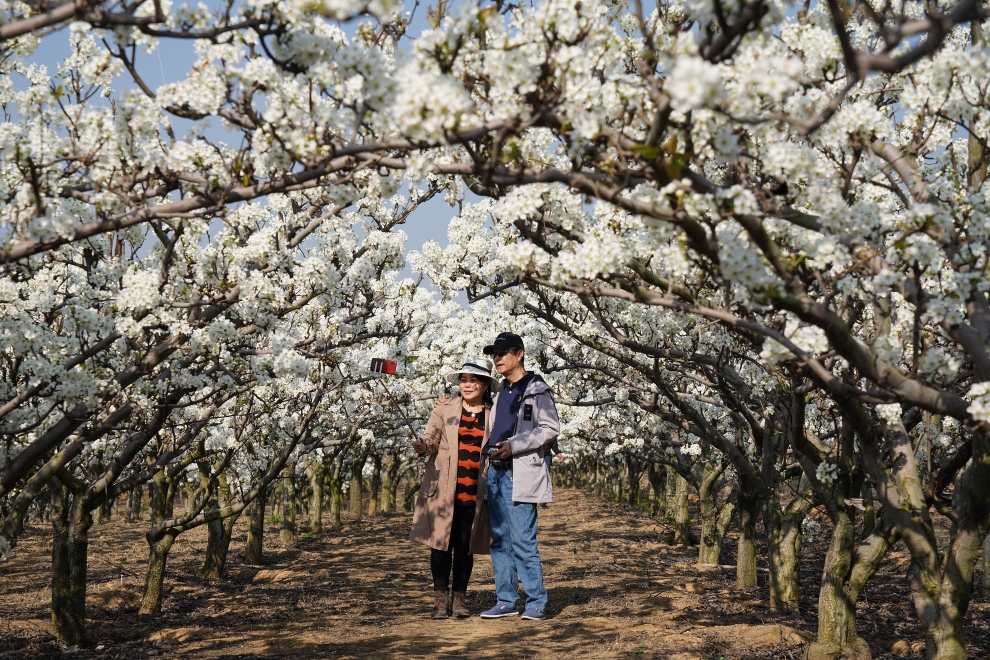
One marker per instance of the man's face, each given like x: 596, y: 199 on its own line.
x: 506, y: 361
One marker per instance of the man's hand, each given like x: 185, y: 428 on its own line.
x: 441, y: 401
x: 504, y: 451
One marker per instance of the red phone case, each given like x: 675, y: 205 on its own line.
x: 381, y: 366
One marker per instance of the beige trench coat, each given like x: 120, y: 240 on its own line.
x: 434, y: 513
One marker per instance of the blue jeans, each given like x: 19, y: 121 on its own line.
x: 515, y: 555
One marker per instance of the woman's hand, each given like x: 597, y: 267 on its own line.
x: 420, y: 447
x: 441, y: 401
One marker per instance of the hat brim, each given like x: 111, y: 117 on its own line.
x: 454, y: 378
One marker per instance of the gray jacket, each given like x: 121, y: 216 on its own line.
x: 530, y: 478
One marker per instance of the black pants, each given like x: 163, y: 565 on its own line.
x: 458, y: 554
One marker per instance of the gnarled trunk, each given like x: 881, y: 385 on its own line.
x: 749, y: 508
x: 151, y: 601
x: 288, y: 531
x: 390, y: 484
x: 657, y: 481
x: 336, y: 484
x: 986, y: 565
x: 103, y: 512
x: 63, y: 620
x: 682, y: 517
x: 784, y: 548
x: 411, y: 494
x: 715, y: 520
x: 837, y: 636
x: 633, y: 475
x: 941, y: 598
x: 357, y: 490
x: 217, y: 546
x: 70, y: 553
x: 318, y: 481
x: 256, y: 529
x: 134, y: 504
x: 374, y: 501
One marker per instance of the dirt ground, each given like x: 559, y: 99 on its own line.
x: 616, y: 591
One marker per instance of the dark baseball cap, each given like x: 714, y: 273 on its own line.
x: 504, y: 342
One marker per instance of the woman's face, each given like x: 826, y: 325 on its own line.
x: 472, y: 387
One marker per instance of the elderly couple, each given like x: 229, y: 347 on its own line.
x: 484, y: 478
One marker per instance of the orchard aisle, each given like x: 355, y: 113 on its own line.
x: 364, y: 590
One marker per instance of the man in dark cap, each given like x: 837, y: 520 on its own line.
x: 525, y: 421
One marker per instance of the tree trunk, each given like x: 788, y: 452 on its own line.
x: 669, y: 491
x: 217, y: 546
x: 869, y: 510
x: 277, y: 499
x: 318, y: 481
x: 374, y: 502
x: 986, y: 565
x: 256, y: 529
x: 657, y: 481
x: 411, y: 493
x: 288, y: 532
x: 784, y: 550
x: 682, y: 517
x: 103, y: 512
x: 357, y: 490
x: 63, y: 620
x: 941, y: 599
x: 633, y: 474
x: 151, y: 601
x: 837, y: 636
x: 134, y: 504
x: 218, y: 532
x: 746, y: 549
x: 784, y: 555
x: 714, y: 519
x: 390, y: 484
x: 69, y: 600
x: 336, y: 483
x: 158, y: 508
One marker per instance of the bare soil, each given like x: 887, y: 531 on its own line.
x: 616, y: 591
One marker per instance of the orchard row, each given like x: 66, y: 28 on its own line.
x: 746, y: 244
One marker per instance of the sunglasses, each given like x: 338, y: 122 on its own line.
x: 502, y: 352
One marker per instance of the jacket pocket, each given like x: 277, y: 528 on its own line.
x: 431, y: 487
x: 431, y: 480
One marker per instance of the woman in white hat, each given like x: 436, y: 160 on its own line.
x: 451, y: 515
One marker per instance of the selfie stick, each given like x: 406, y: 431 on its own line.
x: 381, y: 368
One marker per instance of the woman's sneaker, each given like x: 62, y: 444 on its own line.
x: 499, y: 611
x: 533, y: 614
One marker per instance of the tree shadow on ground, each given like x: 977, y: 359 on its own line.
x: 364, y: 590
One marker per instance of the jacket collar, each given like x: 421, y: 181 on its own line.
x: 536, y: 385
x: 453, y: 407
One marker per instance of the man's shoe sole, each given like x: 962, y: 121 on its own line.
x: 498, y: 616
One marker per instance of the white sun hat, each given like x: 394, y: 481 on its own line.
x: 474, y: 365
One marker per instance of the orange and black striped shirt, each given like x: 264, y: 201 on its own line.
x: 470, y: 434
